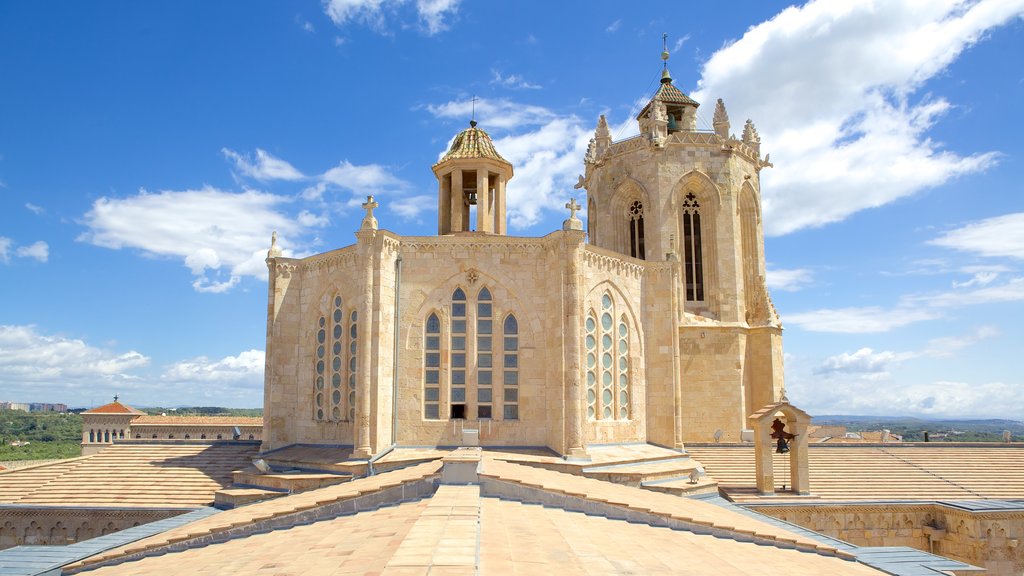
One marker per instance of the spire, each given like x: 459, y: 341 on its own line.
x: 275, y: 250
x: 602, y: 130
x: 751, y: 138
x: 721, y: 121
x: 666, y: 78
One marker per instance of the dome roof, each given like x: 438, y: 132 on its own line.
x: 472, y: 142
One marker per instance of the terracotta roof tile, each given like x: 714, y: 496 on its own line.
x: 114, y: 407
x: 472, y: 142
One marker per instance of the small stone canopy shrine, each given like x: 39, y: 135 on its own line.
x: 782, y: 427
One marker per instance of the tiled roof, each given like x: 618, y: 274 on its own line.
x: 130, y: 475
x: 114, y: 407
x: 198, y: 420
x: 667, y: 92
x: 472, y: 143
x: 458, y: 531
x: 893, y: 472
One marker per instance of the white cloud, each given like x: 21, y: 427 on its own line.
x: 33, y: 208
x: 831, y: 86
x: 38, y: 250
x: 513, y: 81
x: 978, y: 279
x: 1010, y: 291
x: 244, y: 369
x: 858, y: 320
x: 948, y: 345
x: 217, y: 234
x: 361, y: 180
x: 679, y: 43
x: 614, y: 26
x: 1000, y: 236
x: 310, y: 220
x: 264, y: 166
x: 410, y: 208
x: 496, y: 114
x: 789, y: 280
x: 864, y: 362
x: 26, y: 356
x: 431, y: 14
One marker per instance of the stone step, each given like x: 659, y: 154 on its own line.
x: 636, y: 473
x: 681, y: 486
x: 288, y: 481
x: 233, y: 497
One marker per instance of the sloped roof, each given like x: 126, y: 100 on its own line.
x: 114, y: 407
x: 669, y: 94
x: 185, y: 475
x: 890, y: 471
x: 459, y: 530
x: 472, y: 142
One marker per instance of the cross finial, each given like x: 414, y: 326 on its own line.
x: 115, y: 397
x: 472, y: 119
x: 369, y: 221
x: 573, y: 207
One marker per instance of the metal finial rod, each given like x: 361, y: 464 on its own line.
x: 473, y: 102
x: 664, y: 49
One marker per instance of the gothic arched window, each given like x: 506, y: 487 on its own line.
x: 636, y: 229
x: 458, y: 346
x: 484, y: 357
x: 333, y: 362
x: 432, y: 368
x: 693, y: 262
x: 607, y: 366
x: 510, y: 381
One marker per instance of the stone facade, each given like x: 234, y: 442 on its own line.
x: 58, y: 526
x: 986, y: 538
x: 659, y: 330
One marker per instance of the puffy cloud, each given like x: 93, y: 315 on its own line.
x: 865, y: 362
x: 824, y: 122
x: 948, y: 345
x: 496, y: 114
x: 245, y: 369
x: 39, y: 250
x: 264, y: 166
x: 855, y: 320
x: 513, y: 81
x: 217, y: 234
x: 410, y: 208
x: 789, y: 280
x: 1000, y: 236
x: 26, y: 356
x: 431, y: 14
x: 361, y: 180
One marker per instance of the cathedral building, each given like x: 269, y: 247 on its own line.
x: 653, y: 326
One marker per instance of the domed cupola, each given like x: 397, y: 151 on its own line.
x: 471, y: 178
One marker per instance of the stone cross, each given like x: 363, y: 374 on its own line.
x: 573, y: 207
x: 369, y: 221
x: 115, y: 397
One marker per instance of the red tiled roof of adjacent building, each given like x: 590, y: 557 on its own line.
x: 114, y: 407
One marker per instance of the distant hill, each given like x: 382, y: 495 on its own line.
x: 939, y: 429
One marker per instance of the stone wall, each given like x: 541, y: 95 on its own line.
x: 59, y: 526
x: 986, y: 538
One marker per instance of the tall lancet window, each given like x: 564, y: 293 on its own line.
x: 693, y: 264
x: 636, y: 230
x: 484, y: 357
x: 458, y: 357
x: 432, y: 368
x: 335, y: 365
x: 607, y: 368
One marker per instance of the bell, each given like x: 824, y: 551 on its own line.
x: 782, y: 447
x: 471, y: 196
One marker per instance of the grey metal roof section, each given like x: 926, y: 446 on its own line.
x: 985, y: 505
x: 47, y: 560
x: 895, y: 560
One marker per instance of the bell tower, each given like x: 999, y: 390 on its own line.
x: 471, y: 180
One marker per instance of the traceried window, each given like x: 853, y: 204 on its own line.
x: 335, y: 365
x: 693, y: 263
x: 484, y: 354
x: 483, y: 363
x: 636, y: 230
x: 510, y: 381
x: 432, y: 368
x: 607, y: 366
x: 458, y: 354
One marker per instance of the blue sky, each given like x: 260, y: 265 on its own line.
x: 147, y: 151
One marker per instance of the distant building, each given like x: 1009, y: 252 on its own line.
x: 14, y: 406
x: 116, y: 422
